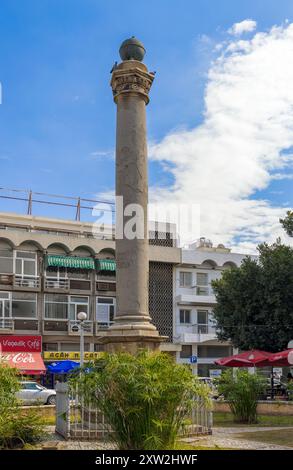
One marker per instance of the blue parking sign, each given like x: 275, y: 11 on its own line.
x: 193, y: 359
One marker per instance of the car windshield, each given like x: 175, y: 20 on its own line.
x: 31, y: 386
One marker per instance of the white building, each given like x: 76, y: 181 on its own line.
x: 194, y: 328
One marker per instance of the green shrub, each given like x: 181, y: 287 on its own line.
x: 146, y: 398
x: 16, y: 427
x: 242, y: 390
x: 290, y: 390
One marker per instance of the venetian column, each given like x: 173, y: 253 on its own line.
x: 131, y: 82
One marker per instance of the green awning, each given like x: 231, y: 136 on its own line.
x: 106, y: 265
x: 74, y: 262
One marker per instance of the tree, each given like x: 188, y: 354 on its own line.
x: 255, y: 301
x: 287, y: 223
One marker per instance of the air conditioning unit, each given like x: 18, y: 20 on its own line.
x: 74, y: 328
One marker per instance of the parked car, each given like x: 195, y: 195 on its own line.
x: 32, y: 393
x: 212, y: 385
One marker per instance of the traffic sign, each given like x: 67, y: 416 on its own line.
x: 193, y: 359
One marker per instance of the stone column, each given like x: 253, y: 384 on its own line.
x: 131, y: 83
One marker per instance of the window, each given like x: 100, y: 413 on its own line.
x: 24, y: 305
x: 25, y: 263
x: 213, y: 351
x: 56, y: 306
x: 185, y: 279
x: 184, y: 316
x: 105, y: 310
x: 77, y: 304
x: 202, y: 321
x: 50, y: 346
x: 64, y: 307
x: 186, y: 351
x: 6, y: 262
x: 5, y: 305
x: 202, y: 284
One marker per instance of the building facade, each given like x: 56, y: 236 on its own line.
x: 194, y: 326
x: 52, y: 269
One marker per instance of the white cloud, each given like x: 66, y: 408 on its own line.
x: 239, y: 147
x: 101, y: 154
x: 245, y: 26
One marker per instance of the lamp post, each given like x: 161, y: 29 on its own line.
x: 81, y: 316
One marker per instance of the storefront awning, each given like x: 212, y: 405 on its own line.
x: 74, y: 262
x: 26, y: 362
x: 106, y: 265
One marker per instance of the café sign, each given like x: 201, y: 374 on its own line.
x: 23, y: 343
x: 58, y: 355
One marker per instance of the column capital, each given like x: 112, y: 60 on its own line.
x: 133, y: 77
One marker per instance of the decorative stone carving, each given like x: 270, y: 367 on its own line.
x: 131, y: 81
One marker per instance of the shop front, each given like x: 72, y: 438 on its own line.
x: 24, y: 353
x: 51, y: 357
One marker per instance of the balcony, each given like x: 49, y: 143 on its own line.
x: 6, y: 279
x: 26, y: 282
x: 102, y: 327
x: 53, y: 283
x: 6, y: 325
x: 66, y: 285
x: 74, y: 327
x: 199, y: 333
x: 196, y: 295
x: 55, y: 326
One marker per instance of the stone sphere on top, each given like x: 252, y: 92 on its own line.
x: 132, y: 49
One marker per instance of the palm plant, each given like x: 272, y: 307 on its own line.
x: 145, y: 398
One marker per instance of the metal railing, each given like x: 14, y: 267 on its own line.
x: 26, y: 281
x: 7, y: 324
x: 79, y: 419
x: 53, y: 283
x: 203, y: 329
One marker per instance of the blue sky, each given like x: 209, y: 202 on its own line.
x: 57, y: 118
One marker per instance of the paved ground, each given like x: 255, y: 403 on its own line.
x: 227, y: 438
x: 221, y: 437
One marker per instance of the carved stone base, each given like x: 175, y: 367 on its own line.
x: 132, y: 341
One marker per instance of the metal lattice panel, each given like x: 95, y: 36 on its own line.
x: 161, y: 297
x: 161, y: 239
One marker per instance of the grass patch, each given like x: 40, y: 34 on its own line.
x: 280, y: 437
x: 187, y: 446
x: 226, y: 420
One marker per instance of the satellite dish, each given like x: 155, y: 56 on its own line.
x: 290, y: 344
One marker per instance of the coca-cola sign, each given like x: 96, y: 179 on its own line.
x: 25, y: 343
x: 18, y: 358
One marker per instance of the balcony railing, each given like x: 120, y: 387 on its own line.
x: 102, y: 326
x: 53, y: 283
x: 32, y: 282
x: 6, y: 325
x: 203, y: 329
x: 6, y: 279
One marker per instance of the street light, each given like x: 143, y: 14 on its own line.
x: 81, y: 316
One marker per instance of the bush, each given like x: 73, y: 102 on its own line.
x: 290, y: 391
x: 145, y: 398
x: 242, y: 390
x: 16, y: 428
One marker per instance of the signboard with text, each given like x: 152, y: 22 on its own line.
x: 20, y: 343
x: 59, y: 356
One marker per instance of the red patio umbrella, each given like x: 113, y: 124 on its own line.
x: 253, y: 358
x: 282, y: 359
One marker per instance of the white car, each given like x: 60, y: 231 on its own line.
x: 32, y: 393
